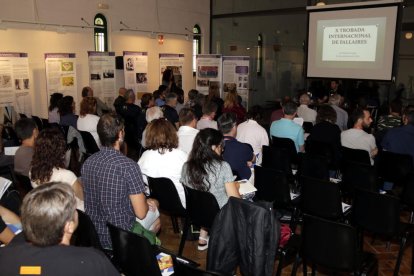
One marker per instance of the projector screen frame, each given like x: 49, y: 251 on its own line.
x: 355, y: 6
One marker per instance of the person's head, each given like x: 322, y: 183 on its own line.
x: 231, y: 99
x: 209, y: 109
x: 408, y: 115
x: 200, y: 99
x: 122, y: 91
x: 187, y: 117
x: 66, y: 105
x: 304, y: 99
x: 153, y: 113
x: 334, y: 84
x: 26, y: 129
x: 54, y: 100
x: 180, y: 95
x: 326, y: 113
x: 335, y: 99
x: 147, y: 101
x: 49, y: 215
x: 227, y: 124
x: 130, y: 96
x: 110, y: 130
x: 87, y: 106
x: 361, y: 118
x: 192, y: 94
x: 48, y: 153
x: 171, y: 99
x: 254, y: 113
x: 162, y: 89
x: 214, y: 90
x: 87, y: 92
x: 289, y: 109
x: 161, y: 135
x: 167, y: 76
x: 396, y: 107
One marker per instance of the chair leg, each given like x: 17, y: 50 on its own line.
x: 184, y: 236
x: 280, y: 265
x: 295, y: 265
x: 412, y: 258
x: 400, y: 254
x: 175, y: 224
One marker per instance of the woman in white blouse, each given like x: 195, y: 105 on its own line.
x: 87, y: 120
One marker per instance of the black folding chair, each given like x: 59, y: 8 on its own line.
x: 89, y: 143
x: 395, y: 167
x: 38, y: 122
x: 355, y: 155
x: 287, y: 144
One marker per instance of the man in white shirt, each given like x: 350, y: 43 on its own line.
x: 356, y: 137
x: 252, y: 133
x: 341, y: 115
x: 308, y: 114
x: 187, y: 131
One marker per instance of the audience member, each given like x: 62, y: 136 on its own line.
x: 231, y: 104
x: 54, y: 116
x: 278, y: 113
x: 49, y: 218
x: 209, y: 113
x: 169, y: 109
x: 335, y: 88
x: 120, y: 100
x: 152, y: 113
x: 101, y: 107
x: 8, y: 218
x: 48, y: 163
x: 286, y: 128
x: 252, y: 133
x: 239, y: 155
x: 401, y: 139
x: 87, y: 120
x: 214, y: 96
x: 131, y: 113
x: 308, y: 114
x: 200, y: 100
x: 187, y: 131
x: 162, y: 157
x: 192, y: 94
x: 159, y: 95
x: 341, y: 115
x: 356, y: 137
x: 180, y: 99
x: 113, y: 185
x: 66, y: 111
x: 393, y: 119
x: 26, y: 131
x: 147, y: 101
x: 205, y: 170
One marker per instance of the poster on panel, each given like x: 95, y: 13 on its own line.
x: 15, y: 84
x: 136, y: 71
x: 175, y: 63
x: 236, y: 77
x: 102, y: 76
x: 61, y: 74
x: 209, y: 74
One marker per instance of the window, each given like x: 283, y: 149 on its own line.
x: 101, y: 33
x: 196, y: 45
x: 259, y: 54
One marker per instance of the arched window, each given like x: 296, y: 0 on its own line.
x: 259, y: 54
x: 196, y: 44
x: 101, y: 33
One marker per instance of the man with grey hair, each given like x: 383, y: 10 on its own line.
x: 308, y: 114
x: 49, y: 218
x: 169, y: 109
x: 341, y: 115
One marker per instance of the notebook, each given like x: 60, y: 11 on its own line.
x: 4, y: 185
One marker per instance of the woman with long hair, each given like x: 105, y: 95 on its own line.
x: 48, y: 163
x: 54, y: 116
x: 87, y: 120
x: 206, y: 170
x: 231, y: 104
x: 66, y: 111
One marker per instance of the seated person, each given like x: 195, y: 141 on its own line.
x: 101, y: 107
x: 207, y: 120
x: 187, y: 131
x: 206, y: 170
x: 53, y: 116
x: 87, y: 120
x: 7, y: 217
x: 67, y: 112
x: 26, y: 131
x: 162, y: 157
x: 231, y: 105
x: 239, y: 155
x: 393, y: 119
x: 170, y: 113
x: 151, y: 114
x: 49, y: 218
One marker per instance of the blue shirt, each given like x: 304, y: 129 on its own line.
x: 285, y: 128
x: 108, y: 178
x: 237, y: 154
x: 400, y: 140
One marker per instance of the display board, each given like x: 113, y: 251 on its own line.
x: 236, y: 76
x: 175, y: 62
x: 209, y: 73
x: 136, y: 71
x: 102, y: 75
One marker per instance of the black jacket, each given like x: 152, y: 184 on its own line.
x: 244, y: 234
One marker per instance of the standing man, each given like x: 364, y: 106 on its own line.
x: 113, y: 185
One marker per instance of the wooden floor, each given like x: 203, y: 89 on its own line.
x: 386, y: 257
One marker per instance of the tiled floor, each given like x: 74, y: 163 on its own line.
x: 386, y: 257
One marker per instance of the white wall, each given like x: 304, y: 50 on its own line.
x: 159, y: 16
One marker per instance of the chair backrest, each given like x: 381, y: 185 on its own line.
x: 376, y: 213
x: 133, y: 253
x: 323, y: 149
x: 9, y: 137
x: 307, y: 127
x: 328, y: 243
x: 188, y: 270
x: 45, y: 123
x: 355, y: 155
x: 89, y: 143
x: 272, y: 185
x: 277, y: 159
x: 359, y: 175
x: 38, y: 122
x: 321, y: 198
x: 22, y: 115
x: 314, y: 166
x: 163, y: 189
x: 85, y: 235
x: 394, y: 167
x: 23, y: 183
x: 288, y: 144
x: 202, y: 207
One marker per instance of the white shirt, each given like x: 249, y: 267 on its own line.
x: 89, y: 123
x: 252, y: 133
x: 308, y: 114
x: 358, y: 139
x: 186, y: 137
x: 169, y: 165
